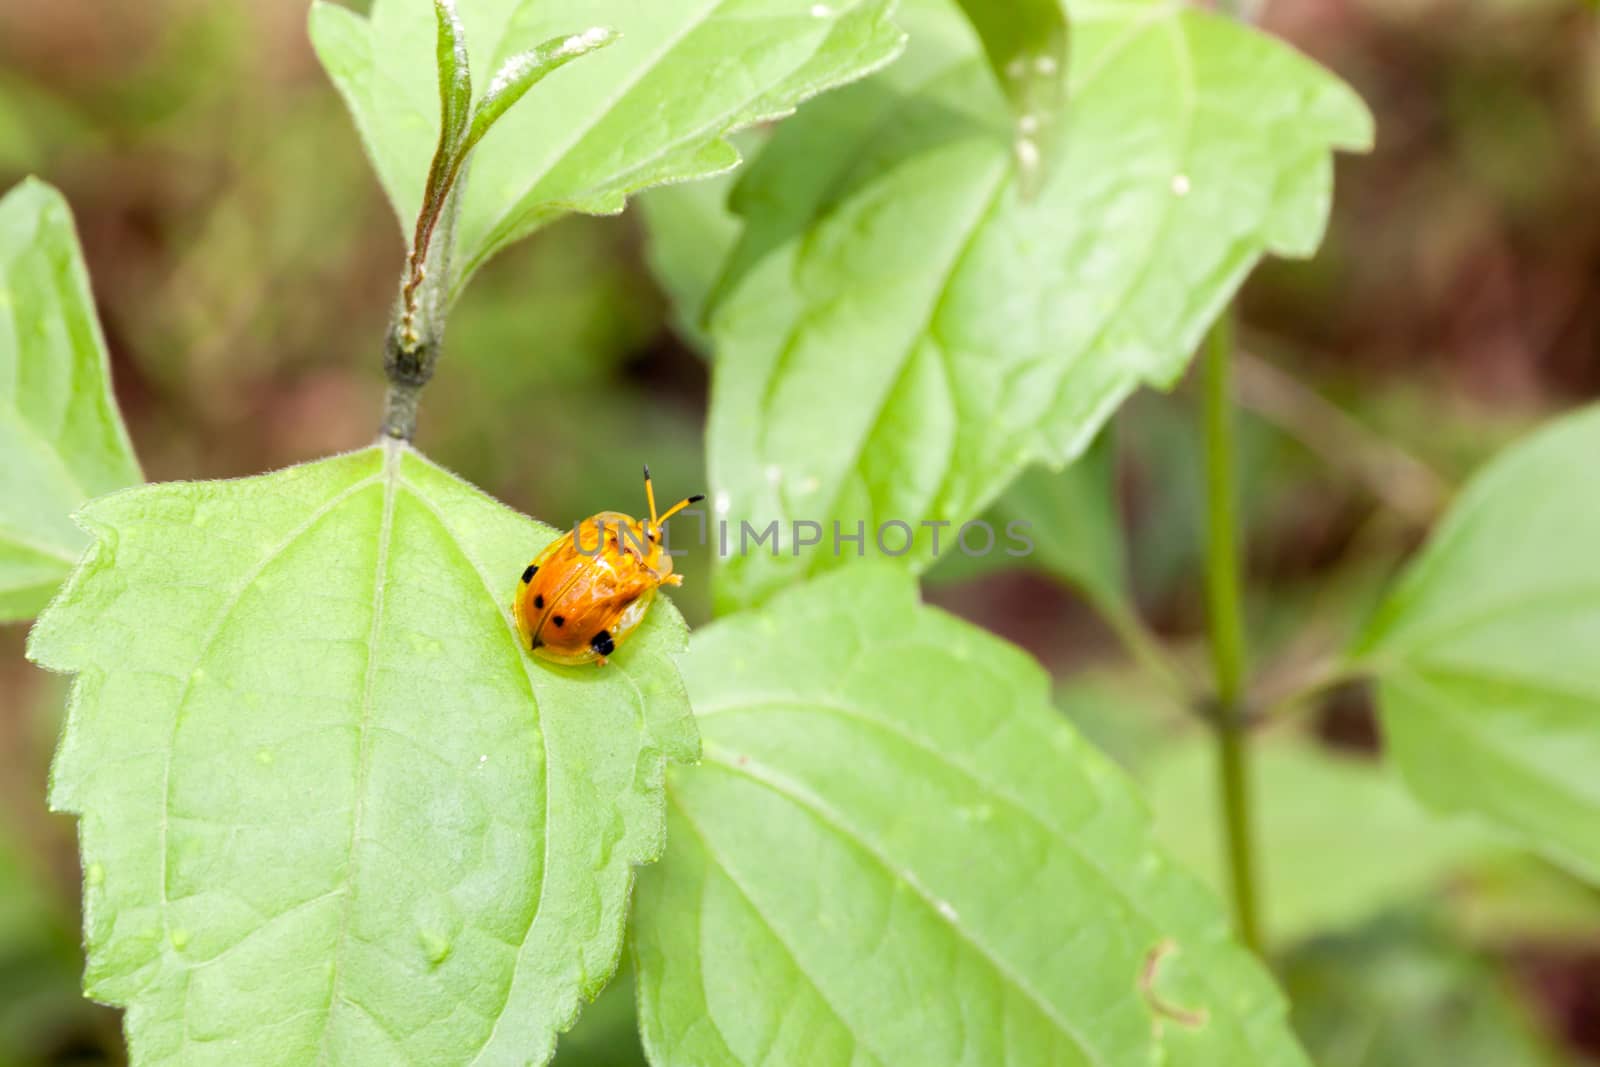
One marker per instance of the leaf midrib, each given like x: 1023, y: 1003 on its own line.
x: 390, y: 477
x: 1468, y: 727
x: 50, y: 448
x: 743, y: 767
x: 1402, y: 643
x: 226, y: 612
x: 715, y: 856
x: 842, y: 710
x: 421, y: 497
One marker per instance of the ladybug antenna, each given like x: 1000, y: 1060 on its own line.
x: 650, y: 495
x: 680, y: 505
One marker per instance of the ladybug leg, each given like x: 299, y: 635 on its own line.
x: 599, y: 661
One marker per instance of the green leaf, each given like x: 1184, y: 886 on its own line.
x: 60, y: 432
x: 1338, y: 839
x: 690, y: 230
x: 900, y: 334
x: 455, y: 75
x: 887, y: 811
x: 1070, y: 519
x: 1485, y: 651
x: 525, y: 70
x: 1399, y: 994
x: 1026, y: 42
x: 653, y: 108
x: 329, y: 808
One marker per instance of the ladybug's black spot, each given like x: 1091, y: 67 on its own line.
x: 538, y: 600
x: 527, y: 575
x: 558, y: 620
x: 602, y: 643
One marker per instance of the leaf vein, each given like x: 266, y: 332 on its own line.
x: 391, y: 474
x: 777, y: 783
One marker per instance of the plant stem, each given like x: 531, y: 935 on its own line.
x: 1224, y: 603
x: 416, y: 333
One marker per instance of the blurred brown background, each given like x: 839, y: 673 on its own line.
x: 244, y: 259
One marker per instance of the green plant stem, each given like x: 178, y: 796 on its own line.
x: 1224, y: 603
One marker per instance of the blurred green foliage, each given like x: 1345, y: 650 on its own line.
x: 1399, y: 993
x: 43, y: 1018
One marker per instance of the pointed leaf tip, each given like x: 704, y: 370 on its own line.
x: 455, y: 74
x: 60, y: 431
x: 526, y: 69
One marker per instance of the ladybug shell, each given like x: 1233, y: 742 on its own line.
x: 578, y: 606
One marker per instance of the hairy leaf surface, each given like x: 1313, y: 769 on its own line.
x: 330, y: 811
x: 899, y: 331
x: 650, y: 109
x: 1485, y: 652
x: 896, y: 852
x: 60, y: 432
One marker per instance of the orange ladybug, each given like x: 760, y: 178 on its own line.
x: 587, y: 591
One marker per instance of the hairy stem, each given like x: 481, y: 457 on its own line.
x: 1224, y: 598
x: 416, y: 332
